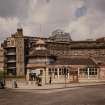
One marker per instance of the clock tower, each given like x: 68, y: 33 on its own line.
x: 19, y: 38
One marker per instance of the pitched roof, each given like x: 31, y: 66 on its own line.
x: 75, y: 61
x: 42, y: 53
x: 40, y: 41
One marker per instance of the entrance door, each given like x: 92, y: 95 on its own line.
x: 33, y: 74
x: 74, y: 76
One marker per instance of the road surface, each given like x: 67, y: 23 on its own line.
x: 90, y: 95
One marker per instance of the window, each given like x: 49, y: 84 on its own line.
x: 52, y: 70
x: 12, y: 42
x: 8, y: 43
x: 67, y: 71
x: 49, y: 72
x: 92, y: 71
x: 41, y: 72
x: 60, y: 72
x: 55, y: 72
x: 83, y: 73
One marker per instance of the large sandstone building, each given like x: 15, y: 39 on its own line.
x: 56, y: 57
x: 1, y: 59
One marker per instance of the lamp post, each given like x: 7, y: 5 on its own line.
x: 65, y: 80
x: 4, y: 77
x: 65, y: 73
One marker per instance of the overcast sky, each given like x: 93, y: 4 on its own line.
x: 84, y: 19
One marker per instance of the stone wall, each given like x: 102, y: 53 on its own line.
x: 20, y: 69
x: 66, y: 50
x: 102, y: 73
x: 1, y: 59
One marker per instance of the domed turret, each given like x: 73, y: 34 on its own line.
x: 60, y: 36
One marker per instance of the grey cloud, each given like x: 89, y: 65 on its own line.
x: 81, y: 17
x: 97, y: 4
x: 90, y: 24
x: 59, y: 14
x: 81, y: 11
x: 13, y: 8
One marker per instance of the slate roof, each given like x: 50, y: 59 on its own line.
x: 43, y: 53
x: 75, y: 61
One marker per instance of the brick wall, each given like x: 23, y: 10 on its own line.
x: 102, y: 73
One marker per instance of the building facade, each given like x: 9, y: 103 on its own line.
x: 54, y: 59
x: 1, y: 59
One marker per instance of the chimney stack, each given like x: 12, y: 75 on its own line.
x: 20, y: 31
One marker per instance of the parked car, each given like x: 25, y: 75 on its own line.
x: 1, y: 84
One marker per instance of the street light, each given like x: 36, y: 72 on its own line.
x: 4, y: 78
x: 65, y: 73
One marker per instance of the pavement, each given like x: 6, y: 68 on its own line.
x: 60, y: 86
x: 90, y: 95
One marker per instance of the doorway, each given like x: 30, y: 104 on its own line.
x: 74, y: 76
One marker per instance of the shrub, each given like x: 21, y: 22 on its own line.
x: 1, y: 74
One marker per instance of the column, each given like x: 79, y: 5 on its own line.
x: 58, y: 72
x: 68, y: 74
x: 27, y: 75
x: 47, y: 75
x: 53, y: 73
x: 44, y: 77
x: 78, y: 72
x: 95, y: 76
x: 98, y: 73
x: 88, y: 73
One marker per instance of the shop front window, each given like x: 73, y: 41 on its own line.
x: 83, y: 73
x: 49, y: 72
x: 60, y: 71
x: 93, y: 72
x: 55, y: 72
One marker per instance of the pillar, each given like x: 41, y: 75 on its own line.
x: 98, y: 73
x: 47, y: 75
x: 68, y: 74
x: 58, y: 73
x: 43, y: 77
x: 53, y: 73
x: 78, y: 72
x: 27, y: 75
x: 88, y: 74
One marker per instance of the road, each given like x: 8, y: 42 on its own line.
x: 91, y: 95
